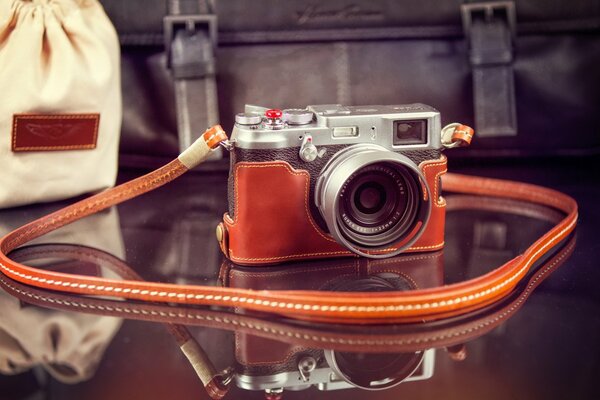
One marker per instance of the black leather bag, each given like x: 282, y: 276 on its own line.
x: 525, y: 74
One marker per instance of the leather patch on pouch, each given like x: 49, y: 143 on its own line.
x: 54, y: 132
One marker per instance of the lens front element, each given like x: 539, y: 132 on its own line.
x: 377, y: 204
x: 371, y: 199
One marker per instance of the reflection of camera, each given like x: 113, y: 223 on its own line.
x: 332, y: 370
x: 331, y: 180
x: 272, y: 365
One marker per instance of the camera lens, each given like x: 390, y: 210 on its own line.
x: 370, y: 197
x: 373, y: 371
x: 373, y: 199
x: 377, y: 204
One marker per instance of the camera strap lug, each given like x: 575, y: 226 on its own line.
x: 226, y: 376
x: 456, y: 135
x: 305, y: 366
x: 227, y: 144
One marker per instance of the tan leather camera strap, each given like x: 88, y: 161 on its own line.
x: 381, y: 307
x: 451, y: 334
x: 412, y: 337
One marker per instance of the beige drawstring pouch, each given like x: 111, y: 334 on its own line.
x: 60, y: 100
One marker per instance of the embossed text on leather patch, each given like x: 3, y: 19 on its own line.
x: 52, y: 132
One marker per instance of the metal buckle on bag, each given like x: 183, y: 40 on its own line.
x: 190, y: 34
x: 228, y: 144
x: 490, y: 30
x: 191, y: 23
x: 485, y: 44
x: 489, y: 10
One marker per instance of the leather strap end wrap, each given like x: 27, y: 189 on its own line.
x: 195, y: 154
x: 215, y: 389
x: 204, y: 369
x: 202, y: 147
x: 197, y: 358
x: 214, y: 135
x: 463, y: 134
x: 457, y: 135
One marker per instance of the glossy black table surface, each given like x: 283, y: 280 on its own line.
x: 541, y: 342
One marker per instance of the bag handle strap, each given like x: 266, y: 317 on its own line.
x: 382, y: 307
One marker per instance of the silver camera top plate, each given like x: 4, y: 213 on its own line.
x: 334, y: 124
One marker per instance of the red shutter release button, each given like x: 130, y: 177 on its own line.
x: 273, y: 114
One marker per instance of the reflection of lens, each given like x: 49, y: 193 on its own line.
x: 382, y: 282
x: 378, y: 205
x: 366, y: 370
x: 373, y: 371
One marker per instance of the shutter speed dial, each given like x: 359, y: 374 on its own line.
x: 297, y: 116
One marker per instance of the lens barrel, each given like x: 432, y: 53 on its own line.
x: 372, y: 199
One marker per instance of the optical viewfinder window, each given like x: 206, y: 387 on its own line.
x: 410, y: 132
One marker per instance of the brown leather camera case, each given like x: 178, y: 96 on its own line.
x: 273, y: 223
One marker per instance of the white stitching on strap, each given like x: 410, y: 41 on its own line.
x: 324, y: 339
x: 322, y: 308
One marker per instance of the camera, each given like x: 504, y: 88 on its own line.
x: 333, y: 180
x: 273, y: 366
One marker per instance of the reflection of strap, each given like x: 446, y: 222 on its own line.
x: 420, y: 336
x: 335, y: 307
x: 212, y: 380
x: 190, y: 40
x: 489, y: 28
